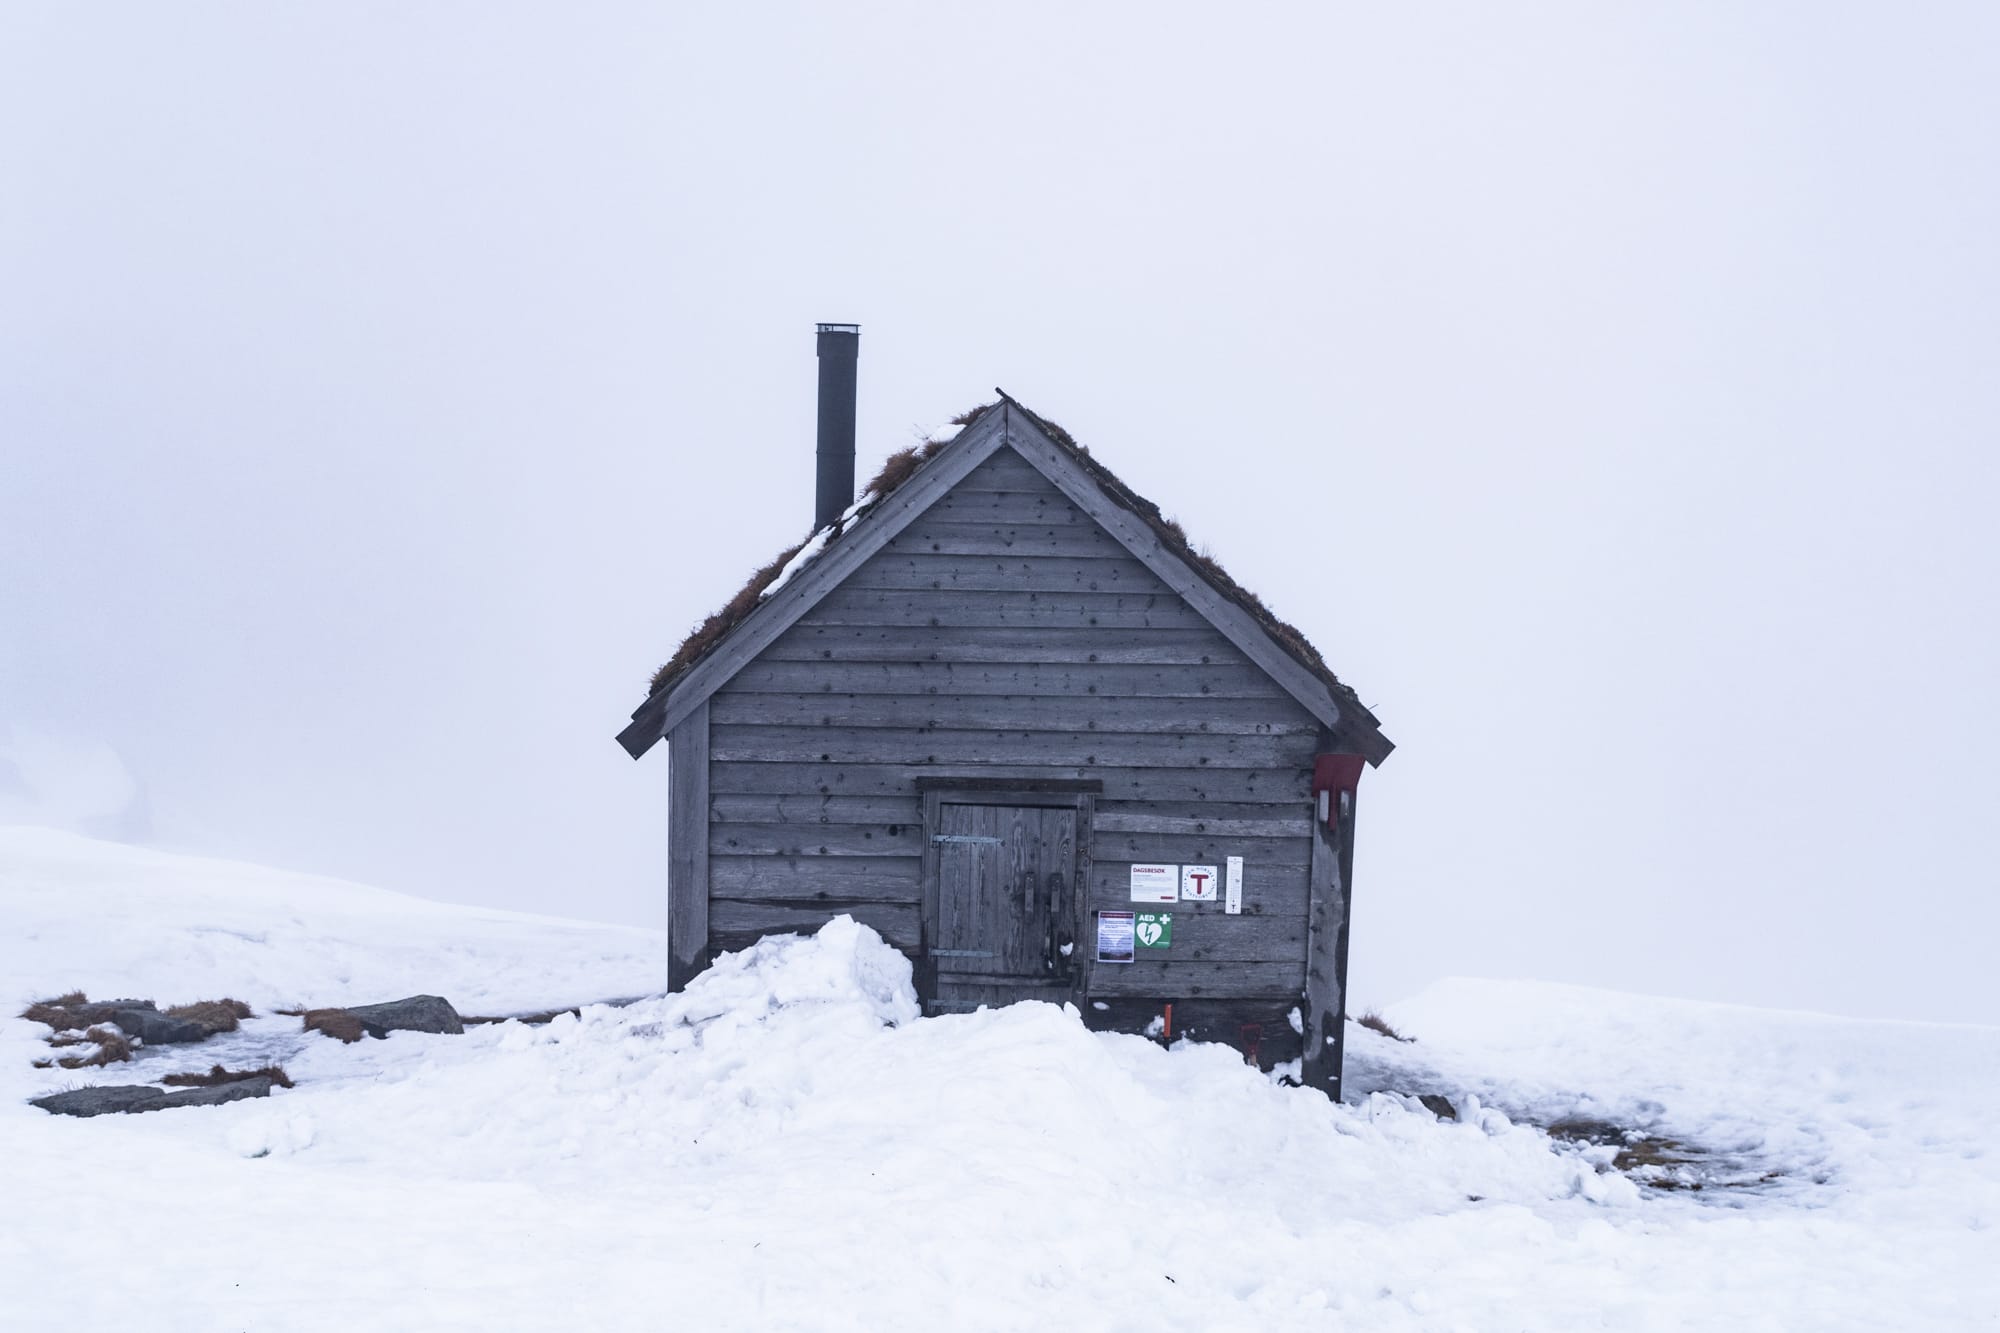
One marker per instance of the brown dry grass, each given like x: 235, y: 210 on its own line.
x: 707, y: 634
x: 900, y: 466
x: 1374, y: 1022
x: 218, y: 1075
x: 56, y: 1013
x: 112, y: 1047
x: 213, y: 1015
x: 335, y: 1023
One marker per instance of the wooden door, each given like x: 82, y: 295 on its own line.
x: 1005, y: 903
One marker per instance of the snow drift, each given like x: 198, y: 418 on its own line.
x: 77, y: 914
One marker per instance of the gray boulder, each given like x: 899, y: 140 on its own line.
x: 418, y: 1013
x: 102, y: 1011
x: 157, y: 1029
x: 132, y: 1098
x: 103, y: 1100
x: 215, y: 1096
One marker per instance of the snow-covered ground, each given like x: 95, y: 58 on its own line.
x: 786, y: 1146
x: 113, y: 920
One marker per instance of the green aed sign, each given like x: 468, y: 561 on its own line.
x: 1154, y: 930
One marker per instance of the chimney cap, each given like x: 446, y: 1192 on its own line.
x: 839, y: 328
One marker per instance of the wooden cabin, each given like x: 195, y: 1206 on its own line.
x: 1001, y: 711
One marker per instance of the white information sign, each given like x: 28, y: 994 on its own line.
x: 1198, y: 884
x: 1232, y: 890
x: 1156, y: 884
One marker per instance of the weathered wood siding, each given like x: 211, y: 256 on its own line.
x: 1003, y: 634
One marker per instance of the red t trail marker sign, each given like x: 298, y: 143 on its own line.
x: 1198, y: 884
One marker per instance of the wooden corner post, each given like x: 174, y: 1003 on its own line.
x: 687, y: 847
x: 1325, y: 1006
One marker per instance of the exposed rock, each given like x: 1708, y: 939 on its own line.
x: 1438, y: 1106
x: 106, y: 1011
x: 157, y: 1029
x: 131, y: 1098
x: 73, y: 1013
x: 1584, y: 1129
x: 216, y: 1095
x: 418, y: 1013
x: 101, y: 1100
x: 217, y: 1074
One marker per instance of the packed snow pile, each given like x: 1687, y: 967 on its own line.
x: 787, y: 1145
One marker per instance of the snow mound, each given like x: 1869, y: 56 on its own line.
x: 114, y: 920
x: 846, y: 963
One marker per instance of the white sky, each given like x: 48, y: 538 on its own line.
x: 1608, y: 390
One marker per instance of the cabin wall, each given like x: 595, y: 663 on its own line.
x: 1003, y: 634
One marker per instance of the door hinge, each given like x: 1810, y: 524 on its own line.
x: 966, y: 837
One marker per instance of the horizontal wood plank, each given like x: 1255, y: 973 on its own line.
x: 816, y: 840
x: 1050, y: 539
x: 1008, y: 574
x: 1270, y: 980
x: 813, y: 808
x: 1283, y: 813
x: 1033, y: 679
x: 738, y: 743
x: 1028, y: 612
x: 1047, y: 507
x: 815, y: 879
x: 741, y: 922
x: 1122, y: 784
x: 999, y: 712
x: 1208, y: 848
x: 987, y: 645
x: 1262, y: 825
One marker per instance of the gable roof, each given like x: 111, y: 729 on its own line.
x: 790, y: 585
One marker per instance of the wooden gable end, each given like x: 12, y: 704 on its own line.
x: 1005, y: 457
x: 1004, y: 590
